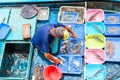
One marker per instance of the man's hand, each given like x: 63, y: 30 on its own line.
x: 52, y: 58
x: 70, y: 30
x: 74, y: 36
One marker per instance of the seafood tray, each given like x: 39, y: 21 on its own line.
x: 4, y: 30
x: 112, y: 30
x: 43, y: 13
x: 95, y: 28
x: 95, y: 72
x: 95, y: 56
x: 95, y: 15
x: 72, y: 46
x: 72, y: 64
x: 112, y: 19
x: 69, y: 17
x: 16, y: 61
x: 98, y: 41
x: 112, y: 49
x: 79, y: 10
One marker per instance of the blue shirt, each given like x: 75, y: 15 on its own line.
x: 42, y: 36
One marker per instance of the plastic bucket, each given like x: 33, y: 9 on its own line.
x: 52, y: 72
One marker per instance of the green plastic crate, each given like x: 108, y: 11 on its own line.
x: 16, y: 61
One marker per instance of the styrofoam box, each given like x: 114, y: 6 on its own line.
x: 72, y: 9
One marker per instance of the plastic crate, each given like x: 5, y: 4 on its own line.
x: 95, y: 28
x: 79, y: 30
x: 112, y: 29
x: 4, y: 30
x: 72, y: 46
x: 95, y: 56
x: 95, y: 15
x: 112, y: 19
x: 69, y: 17
x: 16, y: 61
x: 95, y: 72
x: 116, y: 56
x: 72, y: 9
x: 98, y: 41
x: 43, y: 13
x: 71, y: 65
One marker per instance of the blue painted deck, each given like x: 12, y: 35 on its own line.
x: 16, y: 21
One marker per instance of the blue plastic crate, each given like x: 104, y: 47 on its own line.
x: 79, y: 29
x: 71, y: 46
x: 70, y: 17
x: 95, y: 28
x: 116, y: 55
x: 95, y: 72
x: 71, y: 65
x: 4, y: 30
x: 112, y: 29
x: 112, y: 19
x: 16, y: 61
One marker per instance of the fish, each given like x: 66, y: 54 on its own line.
x: 76, y: 62
x: 99, y: 56
x: 97, y: 28
x: 97, y: 72
x: 97, y: 38
x: 112, y: 19
x: 113, y: 30
x: 68, y: 17
x: 110, y: 48
x: 93, y: 16
x: 111, y: 78
x: 77, y: 48
x: 64, y: 50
